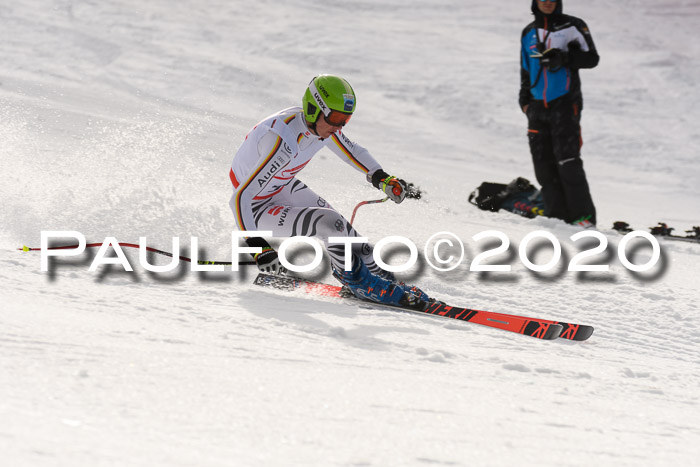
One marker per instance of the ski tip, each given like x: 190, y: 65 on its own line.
x: 584, y: 332
x: 576, y: 332
x: 24, y: 248
x: 545, y: 330
x: 553, y: 331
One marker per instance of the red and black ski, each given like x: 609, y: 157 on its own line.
x: 571, y: 331
x: 534, y: 327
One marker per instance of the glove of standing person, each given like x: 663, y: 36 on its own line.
x: 395, y: 188
x: 553, y: 59
x: 268, y: 261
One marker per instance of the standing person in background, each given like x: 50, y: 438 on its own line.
x: 553, y: 48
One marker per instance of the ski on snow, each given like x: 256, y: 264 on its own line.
x: 662, y: 230
x: 533, y: 327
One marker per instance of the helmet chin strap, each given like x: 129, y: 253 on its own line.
x: 311, y: 126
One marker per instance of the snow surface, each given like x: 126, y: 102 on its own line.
x: 121, y: 118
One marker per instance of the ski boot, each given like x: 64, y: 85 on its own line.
x: 361, y: 283
x: 584, y: 222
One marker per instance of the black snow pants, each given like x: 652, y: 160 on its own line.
x: 554, y: 133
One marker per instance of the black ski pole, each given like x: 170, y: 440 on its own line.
x: 148, y: 248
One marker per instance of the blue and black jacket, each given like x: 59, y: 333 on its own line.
x: 560, y: 31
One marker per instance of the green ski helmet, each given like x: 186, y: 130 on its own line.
x: 331, y: 95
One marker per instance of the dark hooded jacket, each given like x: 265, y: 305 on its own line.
x: 560, y: 31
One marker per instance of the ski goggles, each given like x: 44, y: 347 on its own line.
x: 335, y: 118
x: 550, y: 1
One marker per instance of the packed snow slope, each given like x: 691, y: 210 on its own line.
x: 121, y: 119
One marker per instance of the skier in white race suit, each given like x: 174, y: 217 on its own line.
x: 268, y: 196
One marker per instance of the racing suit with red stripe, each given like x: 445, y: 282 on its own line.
x: 267, y: 195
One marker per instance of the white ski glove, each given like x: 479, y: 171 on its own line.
x: 395, y: 188
x: 268, y: 262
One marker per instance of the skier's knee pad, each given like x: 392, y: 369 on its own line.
x: 332, y: 224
